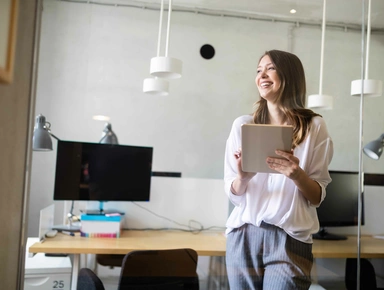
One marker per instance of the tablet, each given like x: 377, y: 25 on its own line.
x: 260, y: 141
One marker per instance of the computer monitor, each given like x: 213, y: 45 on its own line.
x: 340, y: 206
x: 102, y: 172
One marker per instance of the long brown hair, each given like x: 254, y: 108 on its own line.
x: 291, y: 96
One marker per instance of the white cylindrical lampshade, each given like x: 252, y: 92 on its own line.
x: 372, y: 88
x: 166, y: 67
x: 156, y: 86
x: 320, y: 102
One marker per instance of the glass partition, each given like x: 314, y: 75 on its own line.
x: 94, y: 57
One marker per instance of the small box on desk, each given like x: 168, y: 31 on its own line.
x: 100, y: 226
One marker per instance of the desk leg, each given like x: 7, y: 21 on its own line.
x: 75, y: 271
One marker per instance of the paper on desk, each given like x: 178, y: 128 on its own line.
x: 378, y: 236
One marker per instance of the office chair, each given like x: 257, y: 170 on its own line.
x: 88, y: 280
x: 109, y: 260
x: 367, y: 275
x: 159, y: 270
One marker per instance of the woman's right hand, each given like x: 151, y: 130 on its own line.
x: 239, y: 185
x: 242, y: 175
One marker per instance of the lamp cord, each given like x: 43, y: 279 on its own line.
x: 160, y: 27
x: 322, y: 48
x: 168, y: 27
x: 368, y: 40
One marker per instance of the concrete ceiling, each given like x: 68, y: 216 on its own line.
x: 348, y: 12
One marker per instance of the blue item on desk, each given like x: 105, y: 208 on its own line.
x: 106, y: 218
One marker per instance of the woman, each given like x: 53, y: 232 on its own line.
x: 269, y: 232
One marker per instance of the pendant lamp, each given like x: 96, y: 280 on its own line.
x: 165, y: 66
x: 370, y: 88
x: 321, y: 101
x: 156, y: 86
x: 162, y: 68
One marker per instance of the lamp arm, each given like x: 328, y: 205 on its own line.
x: 382, y: 139
x: 102, y: 138
x: 53, y: 136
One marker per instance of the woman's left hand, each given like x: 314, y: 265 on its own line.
x: 288, y: 164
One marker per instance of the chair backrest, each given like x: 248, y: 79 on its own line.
x: 367, y: 274
x: 88, y: 280
x: 110, y: 260
x: 159, y: 269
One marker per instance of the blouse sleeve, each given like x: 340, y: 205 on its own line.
x: 230, y: 166
x: 321, y: 156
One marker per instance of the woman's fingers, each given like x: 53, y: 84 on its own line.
x: 288, y: 155
x: 238, y: 153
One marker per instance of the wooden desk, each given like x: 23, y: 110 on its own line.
x: 204, y: 243
x: 369, y: 248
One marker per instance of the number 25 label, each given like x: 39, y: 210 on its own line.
x: 58, y: 284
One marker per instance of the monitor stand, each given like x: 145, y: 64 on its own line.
x: 102, y: 211
x: 322, y: 234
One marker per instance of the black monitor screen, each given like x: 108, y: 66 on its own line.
x: 102, y: 172
x: 340, y: 206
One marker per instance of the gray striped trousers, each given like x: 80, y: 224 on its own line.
x: 267, y: 258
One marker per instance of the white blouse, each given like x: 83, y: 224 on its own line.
x: 274, y: 198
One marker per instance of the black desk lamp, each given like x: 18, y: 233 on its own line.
x: 374, y: 148
x: 42, y: 142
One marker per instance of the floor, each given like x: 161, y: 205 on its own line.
x: 110, y: 278
x: 210, y: 268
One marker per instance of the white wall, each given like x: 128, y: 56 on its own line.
x: 185, y: 203
x: 98, y: 56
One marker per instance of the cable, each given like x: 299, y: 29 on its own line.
x: 190, y: 226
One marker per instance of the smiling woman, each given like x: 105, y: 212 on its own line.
x: 8, y: 18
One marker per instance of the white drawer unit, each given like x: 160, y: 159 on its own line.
x: 46, y: 273
x: 47, y: 281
